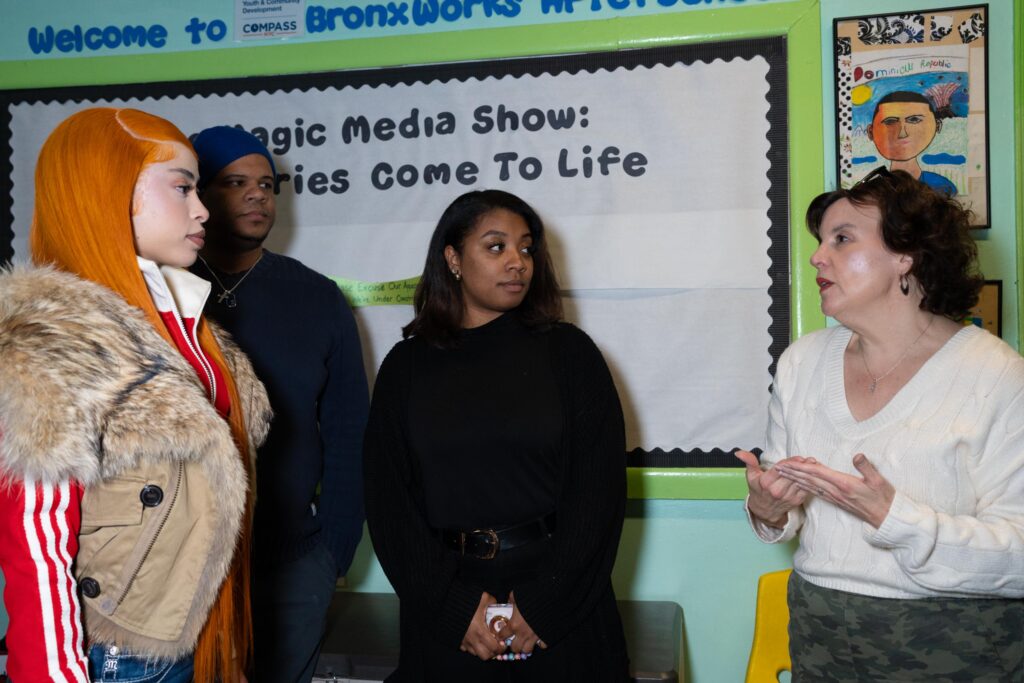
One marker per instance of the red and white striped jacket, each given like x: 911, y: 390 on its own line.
x: 40, y: 521
x: 39, y: 525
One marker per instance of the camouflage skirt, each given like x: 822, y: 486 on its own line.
x: 839, y: 636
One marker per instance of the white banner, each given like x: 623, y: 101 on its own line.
x: 652, y: 182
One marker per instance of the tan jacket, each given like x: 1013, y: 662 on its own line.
x: 90, y: 392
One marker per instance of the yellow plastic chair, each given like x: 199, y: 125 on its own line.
x: 769, y: 653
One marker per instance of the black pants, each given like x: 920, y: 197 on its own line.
x: 290, y: 604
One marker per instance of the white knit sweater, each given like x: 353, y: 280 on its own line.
x: 952, y: 444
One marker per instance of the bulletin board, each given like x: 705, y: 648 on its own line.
x: 654, y: 249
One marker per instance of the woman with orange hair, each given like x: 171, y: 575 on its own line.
x: 126, y: 422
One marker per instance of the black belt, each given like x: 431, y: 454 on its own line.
x: 485, y: 544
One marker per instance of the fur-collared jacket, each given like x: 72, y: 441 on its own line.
x: 91, y: 393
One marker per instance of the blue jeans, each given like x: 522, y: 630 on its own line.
x: 290, y: 604
x: 113, y: 664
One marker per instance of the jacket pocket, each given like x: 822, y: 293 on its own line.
x: 121, y: 518
x: 174, y: 561
x: 114, y: 502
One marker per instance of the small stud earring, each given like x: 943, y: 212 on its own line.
x: 457, y: 274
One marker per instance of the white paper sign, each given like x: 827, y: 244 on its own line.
x: 652, y: 182
x: 262, y: 19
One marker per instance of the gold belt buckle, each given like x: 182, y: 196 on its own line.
x: 492, y: 536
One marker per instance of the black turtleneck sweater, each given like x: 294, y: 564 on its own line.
x: 505, y: 427
x: 484, y: 425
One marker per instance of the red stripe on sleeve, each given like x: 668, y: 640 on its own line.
x: 39, y: 526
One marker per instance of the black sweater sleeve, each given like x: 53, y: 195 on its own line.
x: 591, y: 492
x: 421, y: 570
x: 341, y: 414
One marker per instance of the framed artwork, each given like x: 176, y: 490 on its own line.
x: 988, y: 312
x: 912, y: 95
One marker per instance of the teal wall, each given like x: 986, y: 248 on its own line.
x: 678, y: 546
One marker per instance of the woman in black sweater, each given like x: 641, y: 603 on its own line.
x: 495, y: 465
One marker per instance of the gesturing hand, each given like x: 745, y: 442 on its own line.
x: 868, y: 497
x: 771, y: 496
x: 479, y: 640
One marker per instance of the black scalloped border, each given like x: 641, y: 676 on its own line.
x: 657, y: 457
x: 772, y: 49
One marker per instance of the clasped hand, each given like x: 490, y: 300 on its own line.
x: 868, y: 497
x: 484, y: 643
x: 771, y: 495
x: 788, y: 483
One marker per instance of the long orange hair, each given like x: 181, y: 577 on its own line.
x: 82, y: 224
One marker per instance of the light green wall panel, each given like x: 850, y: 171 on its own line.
x: 1018, y: 109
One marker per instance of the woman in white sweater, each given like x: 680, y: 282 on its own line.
x: 895, y: 451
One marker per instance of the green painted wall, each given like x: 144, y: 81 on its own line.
x: 1018, y: 117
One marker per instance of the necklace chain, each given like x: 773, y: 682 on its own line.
x: 876, y: 380
x: 227, y: 296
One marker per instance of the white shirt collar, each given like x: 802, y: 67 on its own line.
x: 175, y: 289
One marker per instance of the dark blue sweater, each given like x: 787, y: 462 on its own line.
x: 299, y: 332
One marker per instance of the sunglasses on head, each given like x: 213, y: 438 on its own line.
x: 879, y: 173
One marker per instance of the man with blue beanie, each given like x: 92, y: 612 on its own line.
x: 301, y: 336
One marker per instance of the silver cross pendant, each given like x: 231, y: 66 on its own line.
x: 227, y: 298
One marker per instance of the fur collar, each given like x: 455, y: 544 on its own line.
x: 88, y: 389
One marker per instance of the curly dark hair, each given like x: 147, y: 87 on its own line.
x: 438, y: 301
x: 929, y: 226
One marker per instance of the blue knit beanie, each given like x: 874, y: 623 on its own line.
x: 221, y: 145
